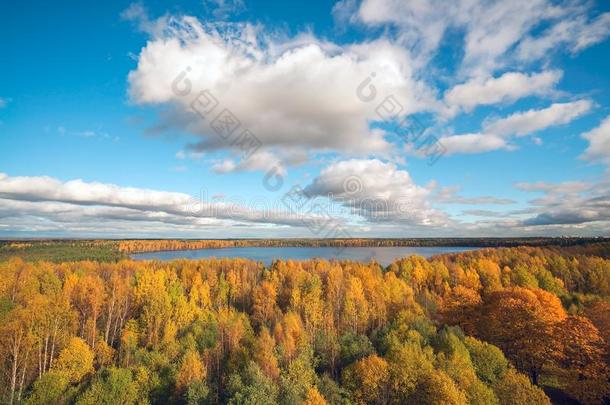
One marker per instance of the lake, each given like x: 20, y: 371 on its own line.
x: 383, y: 255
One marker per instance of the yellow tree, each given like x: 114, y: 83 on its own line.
x: 314, y: 398
x: 129, y: 342
x: 264, y: 356
x: 397, y: 294
x: 16, y: 340
x: 154, y: 303
x: 75, y: 360
x: 355, y: 306
x: 515, y: 389
x: 117, y: 302
x: 16, y: 281
x: 367, y: 379
x: 199, y: 293
x: 289, y: 335
x: 407, y: 365
x: 583, y: 347
x: 88, y: 297
x: 311, y: 303
x: 490, y: 275
x: 334, y: 292
x: 191, y: 370
x: 264, y: 305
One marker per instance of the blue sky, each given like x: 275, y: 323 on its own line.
x: 95, y: 140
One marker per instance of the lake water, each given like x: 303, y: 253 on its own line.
x: 383, y: 255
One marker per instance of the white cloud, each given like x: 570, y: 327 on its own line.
x: 509, y: 87
x: 137, y: 13
x: 383, y: 195
x: 492, y: 30
x: 291, y: 94
x: 528, y: 122
x: 496, y: 134
x: 377, y: 191
x: 224, y: 8
x: 484, y: 213
x: 449, y: 195
x: 4, y: 102
x: 261, y: 161
x: 225, y: 166
x: 573, y: 34
x: 40, y: 193
x: 62, y: 219
x: 599, y: 142
x: 182, y: 155
x: 473, y: 143
x: 570, y: 187
x: 344, y: 12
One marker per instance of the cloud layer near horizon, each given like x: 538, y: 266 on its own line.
x: 361, y: 192
x: 49, y: 201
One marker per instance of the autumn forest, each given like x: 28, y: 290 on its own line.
x: 520, y: 325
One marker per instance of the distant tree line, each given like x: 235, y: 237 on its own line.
x: 150, y: 245
x: 62, y: 250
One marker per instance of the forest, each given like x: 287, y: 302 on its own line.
x: 519, y: 325
x: 112, y: 250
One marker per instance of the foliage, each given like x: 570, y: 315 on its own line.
x: 459, y: 328
x: 252, y: 387
x: 50, y: 388
x: 76, y: 360
x: 515, y: 389
x: 62, y: 250
x: 110, y: 387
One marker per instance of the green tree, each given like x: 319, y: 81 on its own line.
x: 298, y: 378
x: 521, y: 277
x: 197, y: 393
x: 408, y: 363
x: 353, y: 348
x: 454, y: 359
x: 110, y: 386
x: 332, y: 391
x: 50, y: 389
x: 252, y: 387
x: 488, y: 360
x: 548, y: 282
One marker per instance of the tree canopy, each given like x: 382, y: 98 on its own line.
x: 492, y: 326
